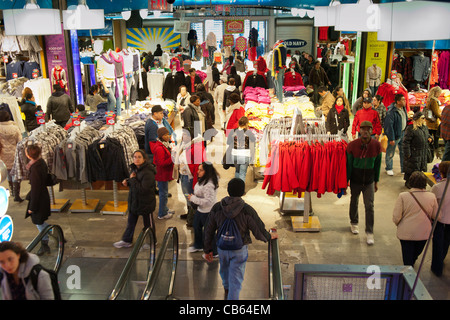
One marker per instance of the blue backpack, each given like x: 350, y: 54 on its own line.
x: 228, y: 236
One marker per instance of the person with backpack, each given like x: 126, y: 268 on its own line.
x: 233, y: 219
x: 17, y: 274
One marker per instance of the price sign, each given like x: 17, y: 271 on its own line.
x: 5, y: 59
x: 110, y: 118
x: 75, y: 119
x: 40, y: 117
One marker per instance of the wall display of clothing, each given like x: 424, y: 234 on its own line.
x: 254, y: 79
x: 41, y: 91
x: 389, y: 89
x: 313, y: 165
x: 13, y: 106
x: 14, y: 70
x: 172, y: 84
x: 17, y: 44
x: 13, y: 87
x: 47, y: 138
x: 155, y: 83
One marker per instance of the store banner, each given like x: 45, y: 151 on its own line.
x: 241, y: 44
x: 146, y: 39
x: 234, y: 26
x: 376, y: 53
x: 55, y: 51
x: 228, y: 40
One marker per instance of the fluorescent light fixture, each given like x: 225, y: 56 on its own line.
x: 35, y: 21
x: 414, y: 21
x: 363, y: 16
x: 82, y: 18
x: 157, y: 13
x: 126, y: 15
x: 144, y: 13
x: 310, y: 13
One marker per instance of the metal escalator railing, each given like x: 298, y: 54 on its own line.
x: 133, y: 278
x: 53, y: 259
x: 157, y: 285
x: 275, y: 279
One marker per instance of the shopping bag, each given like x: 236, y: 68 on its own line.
x: 383, y: 142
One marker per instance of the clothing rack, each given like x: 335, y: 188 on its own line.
x: 56, y: 205
x: 83, y: 204
x: 114, y: 207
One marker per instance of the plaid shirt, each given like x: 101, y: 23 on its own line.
x: 445, y: 123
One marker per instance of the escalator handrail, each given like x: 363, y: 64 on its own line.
x: 132, y: 259
x: 275, y: 279
x: 59, y: 235
x: 171, y: 232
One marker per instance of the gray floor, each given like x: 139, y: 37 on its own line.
x: 90, y: 237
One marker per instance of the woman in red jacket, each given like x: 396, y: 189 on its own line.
x: 162, y: 158
x: 367, y: 113
x: 234, y: 112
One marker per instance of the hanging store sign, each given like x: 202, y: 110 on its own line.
x: 241, y: 44
x: 295, y: 43
x: 234, y: 26
x: 228, y: 40
x: 376, y: 53
x: 160, y: 5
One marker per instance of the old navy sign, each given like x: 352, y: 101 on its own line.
x: 295, y: 43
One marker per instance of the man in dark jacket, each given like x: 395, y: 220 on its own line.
x: 152, y: 125
x: 394, y: 128
x: 232, y: 262
x: 59, y: 106
x: 363, y: 172
x: 317, y: 78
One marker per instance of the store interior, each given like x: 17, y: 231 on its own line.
x: 120, y: 72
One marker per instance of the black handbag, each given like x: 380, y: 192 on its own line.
x: 51, y: 179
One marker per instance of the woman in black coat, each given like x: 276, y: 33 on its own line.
x: 141, y: 197
x: 38, y: 198
x: 338, y: 118
x: 29, y: 109
x: 415, y: 147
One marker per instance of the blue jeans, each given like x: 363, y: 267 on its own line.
x: 42, y: 227
x: 186, y: 186
x: 115, y: 104
x: 129, y: 85
x: 163, y: 187
x: 232, y: 269
x: 278, y: 83
x: 241, y: 165
x: 200, y: 222
x: 446, y: 156
x: 390, y: 152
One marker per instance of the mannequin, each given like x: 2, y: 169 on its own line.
x: 278, y: 68
x: 120, y: 81
x: 58, y: 76
x: 192, y: 39
x: 252, y: 44
x: 128, y: 69
x: 211, y: 43
x: 291, y: 77
x: 421, y: 68
x: 106, y: 75
x: 373, y: 78
x: 137, y: 75
x: 173, y: 80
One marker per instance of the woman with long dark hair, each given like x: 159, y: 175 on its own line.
x: 141, y: 198
x: 204, y: 197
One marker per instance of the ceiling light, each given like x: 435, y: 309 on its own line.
x: 144, y: 13
x: 126, y: 15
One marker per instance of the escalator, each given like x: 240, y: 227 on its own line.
x: 52, y: 260
x: 162, y: 284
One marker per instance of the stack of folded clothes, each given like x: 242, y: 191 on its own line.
x: 256, y: 94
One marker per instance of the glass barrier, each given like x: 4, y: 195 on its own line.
x: 49, y: 246
x: 275, y: 279
x: 161, y: 279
